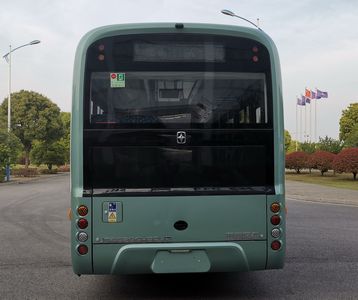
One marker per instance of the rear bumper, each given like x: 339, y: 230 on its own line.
x: 179, y: 257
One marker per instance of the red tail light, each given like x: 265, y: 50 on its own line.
x: 82, y: 249
x: 275, y: 220
x: 82, y: 223
x: 275, y: 245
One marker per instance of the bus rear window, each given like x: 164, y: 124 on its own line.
x: 171, y: 80
x: 217, y: 100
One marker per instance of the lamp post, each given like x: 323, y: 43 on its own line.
x: 7, y: 57
x: 231, y: 14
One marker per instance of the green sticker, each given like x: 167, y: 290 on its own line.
x: 118, y: 80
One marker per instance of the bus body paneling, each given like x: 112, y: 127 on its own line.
x: 177, y: 150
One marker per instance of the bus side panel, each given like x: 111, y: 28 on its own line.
x: 81, y: 264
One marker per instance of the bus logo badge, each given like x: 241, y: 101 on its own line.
x: 181, y: 137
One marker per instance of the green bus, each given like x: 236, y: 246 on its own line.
x: 177, y: 150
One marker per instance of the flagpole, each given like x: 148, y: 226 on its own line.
x: 305, y: 133
x: 301, y: 124
x: 310, y: 121
x: 296, y: 124
x: 315, y: 120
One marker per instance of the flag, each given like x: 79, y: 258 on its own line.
x: 307, y: 100
x: 301, y: 101
x: 313, y: 95
x: 321, y: 94
x: 307, y: 93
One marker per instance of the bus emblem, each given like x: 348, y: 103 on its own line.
x: 181, y: 137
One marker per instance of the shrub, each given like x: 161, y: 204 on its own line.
x: 65, y: 168
x: 347, y: 161
x: 48, y: 171
x: 322, y: 160
x: 2, y: 174
x: 297, y: 160
x: 25, y: 172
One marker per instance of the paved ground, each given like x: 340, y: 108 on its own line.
x: 322, y: 260
x: 319, y: 193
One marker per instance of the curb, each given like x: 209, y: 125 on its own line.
x: 32, y: 179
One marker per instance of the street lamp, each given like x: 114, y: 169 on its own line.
x: 231, y: 14
x: 7, y: 57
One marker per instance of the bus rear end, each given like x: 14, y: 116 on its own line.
x: 177, y: 151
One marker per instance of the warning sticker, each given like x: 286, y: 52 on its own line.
x: 118, y: 80
x: 112, y: 217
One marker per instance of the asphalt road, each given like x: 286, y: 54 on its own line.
x: 322, y: 256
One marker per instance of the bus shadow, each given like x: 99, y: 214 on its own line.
x: 195, y: 286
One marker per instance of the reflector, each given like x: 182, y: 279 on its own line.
x: 82, y: 249
x: 275, y: 245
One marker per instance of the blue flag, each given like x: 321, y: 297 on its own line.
x: 321, y: 94
x: 301, y: 101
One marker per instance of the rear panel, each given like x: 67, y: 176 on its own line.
x: 178, y: 150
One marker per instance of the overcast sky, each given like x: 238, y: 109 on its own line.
x: 317, y: 42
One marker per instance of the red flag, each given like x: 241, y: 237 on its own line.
x: 308, y: 93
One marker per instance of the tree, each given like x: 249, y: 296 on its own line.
x: 297, y: 160
x: 348, y: 120
x: 11, y: 147
x: 49, y: 154
x: 308, y: 147
x: 330, y: 145
x: 352, y: 138
x: 34, y: 117
x: 65, y: 140
x: 288, y: 140
x: 347, y: 161
x: 322, y: 160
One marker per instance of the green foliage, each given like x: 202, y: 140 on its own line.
x: 348, y: 120
x: 288, y: 140
x: 10, y: 146
x: 352, y: 138
x: 308, y: 147
x: 330, y: 145
x: 49, y: 154
x: 294, y: 146
x: 4, y: 156
x: 34, y: 117
x: 65, y: 140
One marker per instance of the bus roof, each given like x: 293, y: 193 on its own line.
x: 203, y: 28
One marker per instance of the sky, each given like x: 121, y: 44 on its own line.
x: 317, y: 43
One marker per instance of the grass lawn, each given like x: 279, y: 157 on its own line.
x: 344, y: 181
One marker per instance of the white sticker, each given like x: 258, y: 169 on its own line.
x: 118, y: 80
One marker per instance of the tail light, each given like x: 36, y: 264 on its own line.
x: 82, y: 249
x: 275, y: 207
x: 82, y: 236
x: 275, y: 220
x: 82, y: 223
x: 275, y: 233
x: 276, y: 245
x: 82, y: 210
